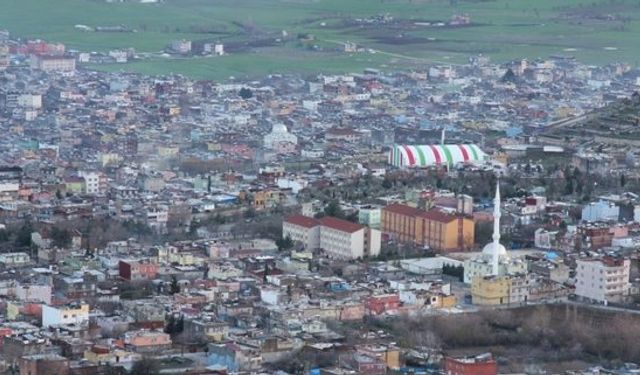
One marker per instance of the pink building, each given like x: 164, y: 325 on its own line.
x: 137, y: 269
x: 147, y: 341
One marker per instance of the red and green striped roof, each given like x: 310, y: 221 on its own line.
x: 428, y: 155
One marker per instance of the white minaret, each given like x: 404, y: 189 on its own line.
x: 495, y: 256
x: 442, y: 136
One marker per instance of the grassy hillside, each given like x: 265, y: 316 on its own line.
x: 594, y: 31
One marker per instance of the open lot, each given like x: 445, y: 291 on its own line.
x: 595, y: 32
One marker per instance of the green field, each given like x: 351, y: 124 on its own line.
x: 596, y: 32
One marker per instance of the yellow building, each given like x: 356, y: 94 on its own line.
x: 390, y: 355
x: 168, y: 151
x: 436, y: 229
x: 500, y: 290
x: 490, y: 290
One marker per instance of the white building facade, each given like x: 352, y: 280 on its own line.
x: 56, y: 316
x: 603, y: 280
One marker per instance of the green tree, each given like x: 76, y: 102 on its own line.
x: 180, y: 324
x: 387, y: 184
x: 245, y: 93
x: 250, y: 213
x: 170, y: 326
x: 334, y: 209
x: 23, y: 238
x: 284, y: 243
x: 174, y: 287
x: 60, y: 237
x: 4, y: 235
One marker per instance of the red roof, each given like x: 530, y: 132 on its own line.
x: 403, y: 209
x: 339, y: 224
x: 301, y: 220
x: 435, y: 215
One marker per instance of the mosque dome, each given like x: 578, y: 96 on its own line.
x: 489, y: 249
x: 279, y: 128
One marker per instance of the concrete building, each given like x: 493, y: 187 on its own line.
x: 494, y: 260
x: 44, y: 364
x: 302, y: 229
x: 94, y: 182
x: 279, y: 135
x: 339, y: 238
x: 479, y: 365
x: 438, y: 230
x: 600, y: 211
x: 370, y: 216
x: 500, y: 290
x: 14, y: 259
x: 347, y: 240
x: 145, y: 341
x: 77, y: 314
x: 603, y: 280
x: 5, y: 58
x: 137, y: 270
x: 50, y: 63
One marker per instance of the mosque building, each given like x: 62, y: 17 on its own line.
x: 494, y: 260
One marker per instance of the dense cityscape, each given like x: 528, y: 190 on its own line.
x: 477, y: 218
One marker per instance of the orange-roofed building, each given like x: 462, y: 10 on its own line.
x: 337, y: 237
x: 439, y: 230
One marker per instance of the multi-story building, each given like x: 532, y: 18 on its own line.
x: 500, y: 290
x: 50, y: 63
x: 603, y: 280
x: 15, y: 259
x: 347, y: 240
x: 370, y: 216
x: 137, y: 270
x: 434, y: 228
x: 94, y: 182
x: 4, y: 56
x: 479, y: 365
x: 77, y: 314
x: 302, y: 229
x: 338, y: 238
x: 207, y: 328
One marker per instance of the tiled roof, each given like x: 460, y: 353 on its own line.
x: 339, y: 224
x: 303, y: 221
x: 435, y: 215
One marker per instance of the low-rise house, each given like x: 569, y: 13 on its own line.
x: 145, y: 341
x: 77, y: 314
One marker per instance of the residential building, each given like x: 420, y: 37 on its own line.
x: 145, y: 341
x: 500, y: 290
x: 370, y: 216
x: 44, y: 364
x: 479, y: 365
x: 51, y: 63
x: 137, y: 269
x: 14, y: 259
x: 77, y: 314
x: 603, y: 279
x: 207, y: 328
x: 434, y: 228
x: 600, y: 211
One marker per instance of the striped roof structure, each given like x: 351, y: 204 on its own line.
x: 422, y: 156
